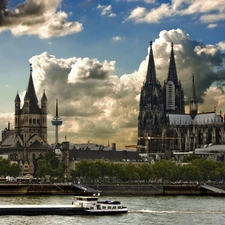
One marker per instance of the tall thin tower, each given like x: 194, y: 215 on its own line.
x: 56, y: 121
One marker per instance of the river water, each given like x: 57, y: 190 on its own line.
x: 160, y: 210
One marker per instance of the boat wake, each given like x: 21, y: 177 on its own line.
x: 176, y: 212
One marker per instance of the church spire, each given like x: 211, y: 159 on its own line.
x: 151, y: 74
x: 193, y: 95
x: 31, y: 95
x: 193, y: 101
x: 172, y: 73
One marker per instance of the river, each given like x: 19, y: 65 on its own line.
x: 160, y: 210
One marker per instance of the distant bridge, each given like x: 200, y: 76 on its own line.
x: 213, y: 189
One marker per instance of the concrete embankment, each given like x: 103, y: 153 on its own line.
x: 155, y: 189
x: 110, y: 189
x: 44, y: 189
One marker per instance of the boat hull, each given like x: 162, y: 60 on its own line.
x: 29, y: 211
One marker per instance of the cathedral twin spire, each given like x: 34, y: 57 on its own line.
x: 172, y: 73
x: 173, y: 96
x: 151, y: 72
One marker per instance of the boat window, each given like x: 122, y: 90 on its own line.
x: 104, y: 207
x: 109, y: 207
x: 114, y: 207
x: 87, y: 199
x: 119, y: 207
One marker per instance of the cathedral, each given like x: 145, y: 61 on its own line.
x: 28, y: 141
x: 162, y: 122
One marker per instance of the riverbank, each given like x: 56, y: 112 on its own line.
x: 156, y: 189
x: 45, y: 189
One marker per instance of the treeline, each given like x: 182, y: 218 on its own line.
x: 198, y: 170
x: 49, y: 165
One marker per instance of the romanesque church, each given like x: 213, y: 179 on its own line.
x: 28, y: 141
x: 162, y: 122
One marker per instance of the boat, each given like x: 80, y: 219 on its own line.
x: 84, y: 205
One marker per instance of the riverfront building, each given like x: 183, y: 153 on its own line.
x: 162, y: 122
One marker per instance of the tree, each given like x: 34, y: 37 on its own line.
x: 165, y: 170
x: 131, y: 172
x: 191, y: 172
x: 50, y: 165
x: 145, y: 171
x: 7, y: 169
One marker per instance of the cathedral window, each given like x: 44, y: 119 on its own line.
x: 170, y: 96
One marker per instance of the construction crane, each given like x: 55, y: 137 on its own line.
x: 131, y: 146
x: 151, y: 138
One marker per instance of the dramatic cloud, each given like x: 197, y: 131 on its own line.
x: 94, y: 104
x: 37, y: 17
x: 210, y: 11
x: 97, y: 105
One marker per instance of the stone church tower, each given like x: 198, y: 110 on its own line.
x: 151, y: 118
x: 28, y: 141
x: 31, y: 120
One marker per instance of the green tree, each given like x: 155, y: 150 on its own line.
x: 8, y: 169
x: 87, y: 170
x: 191, y: 172
x: 145, y: 171
x: 50, y: 165
x: 165, y: 170
x: 131, y: 172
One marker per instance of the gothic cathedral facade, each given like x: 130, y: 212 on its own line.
x: 162, y: 122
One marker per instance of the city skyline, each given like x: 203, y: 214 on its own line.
x: 92, y: 56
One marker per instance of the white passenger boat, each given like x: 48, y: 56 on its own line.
x: 85, y: 205
x: 93, y: 206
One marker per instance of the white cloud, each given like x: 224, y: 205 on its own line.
x: 221, y: 45
x: 212, y: 25
x: 137, y: 13
x: 202, y: 8
x: 209, y: 18
x: 5, y: 118
x: 106, y: 10
x: 38, y: 17
x: 117, y: 38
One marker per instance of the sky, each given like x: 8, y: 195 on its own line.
x: 92, y: 56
